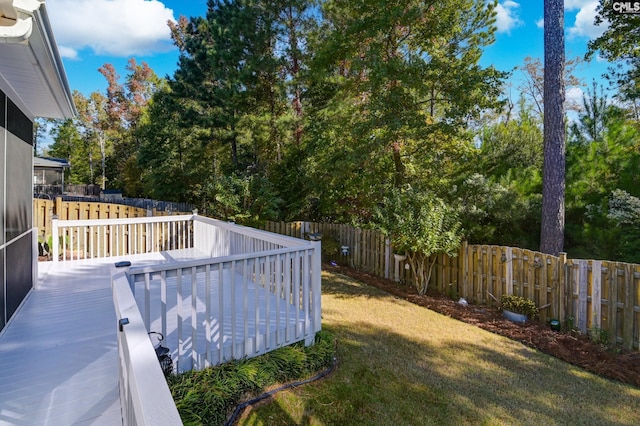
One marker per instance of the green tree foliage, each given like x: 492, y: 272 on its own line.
x: 236, y: 104
x: 125, y: 107
x: 592, y: 122
x: 513, y: 144
x: 81, y: 140
x: 387, y: 112
x: 619, y: 44
x: 419, y: 224
x: 226, y: 76
x: 68, y: 143
x: 620, y: 39
x: 597, y: 169
x: 502, y: 212
x: 500, y: 202
x: 171, y: 162
x: 330, y: 111
x: 102, y: 142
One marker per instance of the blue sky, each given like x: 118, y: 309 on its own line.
x: 91, y: 33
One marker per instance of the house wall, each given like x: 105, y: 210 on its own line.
x: 16, y: 208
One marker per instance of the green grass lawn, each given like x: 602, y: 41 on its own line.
x: 400, y: 364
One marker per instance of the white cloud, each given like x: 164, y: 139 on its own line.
x: 507, y: 16
x: 574, y: 95
x: 540, y: 23
x: 67, y: 52
x: 110, y: 27
x: 570, y: 5
x: 583, y: 25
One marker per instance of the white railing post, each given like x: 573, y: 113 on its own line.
x: 54, y: 238
x: 316, y: 280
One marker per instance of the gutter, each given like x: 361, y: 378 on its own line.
x: 48, y: 38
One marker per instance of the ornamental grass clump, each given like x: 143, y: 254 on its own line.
x: 208, y: 396
x: 519, y: 305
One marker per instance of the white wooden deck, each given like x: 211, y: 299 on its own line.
x: 58, y: 355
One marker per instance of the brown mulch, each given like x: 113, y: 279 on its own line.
x: 613, y: 363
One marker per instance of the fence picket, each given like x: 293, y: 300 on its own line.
x: 509, y: 270
x: 596, y: 298
x: 627, y: 327
x: 543, y: 285
x: 582, y: 282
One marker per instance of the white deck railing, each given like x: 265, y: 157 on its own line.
x: 247, y: 292
x: 233, y: 307
x: 145, y: 398
x: 98, y: 238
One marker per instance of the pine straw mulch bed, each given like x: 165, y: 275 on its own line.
x: 613, y: 363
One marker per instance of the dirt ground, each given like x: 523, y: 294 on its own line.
x: 612, y: 363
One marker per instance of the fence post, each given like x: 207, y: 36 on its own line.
x: 55, y: 243
x: 387, y: 258
x: 563, y: 286
x: 596, y: 294
x: 628, y: 316
x: 58, y: 206
x: 462, y: 273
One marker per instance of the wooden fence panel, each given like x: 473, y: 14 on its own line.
x: 593, y: 296
x: 44, y: 209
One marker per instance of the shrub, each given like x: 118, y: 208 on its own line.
x: 419, y: 224
x: 519, y: 305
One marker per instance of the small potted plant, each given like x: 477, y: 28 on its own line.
x: 518, y: 308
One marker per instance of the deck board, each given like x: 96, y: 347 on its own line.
x: 59, y: 352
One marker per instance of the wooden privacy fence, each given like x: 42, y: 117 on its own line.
x: 594, y: 296
x: 44, y: 210
x: 368, y: 250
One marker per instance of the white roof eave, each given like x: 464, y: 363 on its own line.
x: 31, y: 70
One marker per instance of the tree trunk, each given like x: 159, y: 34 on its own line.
x: 553, y: 180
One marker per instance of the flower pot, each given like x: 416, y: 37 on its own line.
x: 514, y: 317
